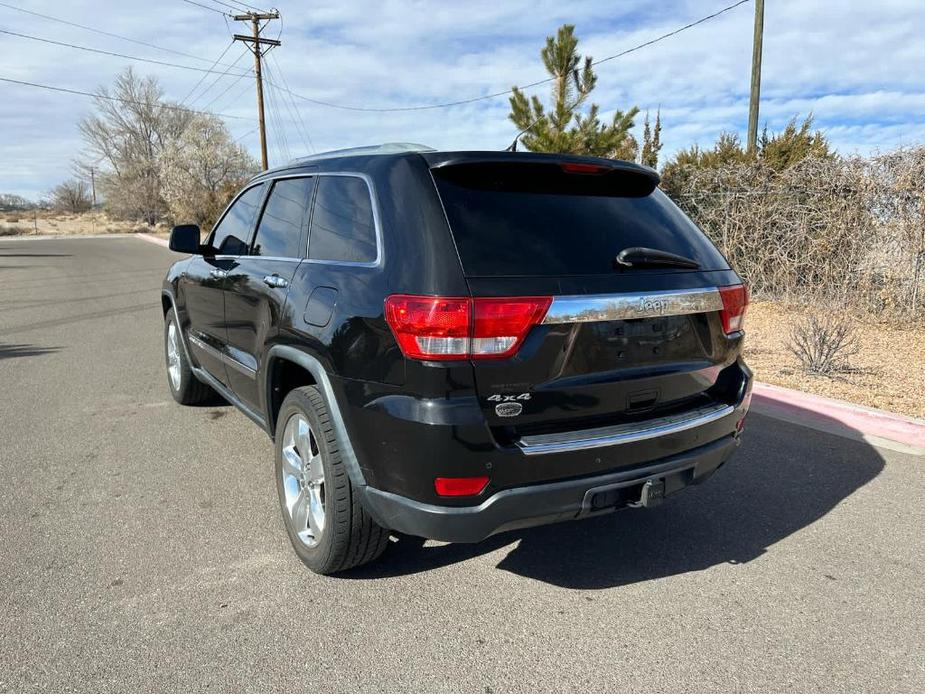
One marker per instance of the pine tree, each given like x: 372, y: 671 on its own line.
x: 563, y: 128
x: 651, y: 141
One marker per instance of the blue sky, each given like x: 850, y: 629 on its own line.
x: 857, y: 65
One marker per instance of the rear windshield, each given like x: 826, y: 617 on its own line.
x: 527, y: 219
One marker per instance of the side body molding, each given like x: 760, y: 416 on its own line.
x: 316, y: 369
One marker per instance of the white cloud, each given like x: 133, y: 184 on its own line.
x: 853, y: 64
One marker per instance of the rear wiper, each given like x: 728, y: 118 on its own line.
x: 640, y: 256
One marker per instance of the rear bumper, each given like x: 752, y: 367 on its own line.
x: 539, y: 504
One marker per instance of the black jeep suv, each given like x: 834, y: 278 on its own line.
x: 454, y: 344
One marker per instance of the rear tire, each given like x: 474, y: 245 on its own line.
x: 327, y: 525
x: 185, y: 388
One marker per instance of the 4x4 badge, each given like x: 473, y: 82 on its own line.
x: 508, y: 409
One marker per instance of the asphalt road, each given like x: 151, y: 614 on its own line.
x: 142, y: 550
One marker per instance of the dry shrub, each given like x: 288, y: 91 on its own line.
x: 13, y: 231
x: 12, y: 220
x: 849, y: 232
x: 823, y: 344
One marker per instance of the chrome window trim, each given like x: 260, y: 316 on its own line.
x: 619, y: 434
x: 608, y: 307
x: 224, y: 358
x: 377, y: 223
x: 284, y: 259
x: 374, y: 203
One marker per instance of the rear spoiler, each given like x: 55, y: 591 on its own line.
x: 440, y: 160
x: 582, y: 175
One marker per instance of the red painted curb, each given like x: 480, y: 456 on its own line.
x: 818, y: 410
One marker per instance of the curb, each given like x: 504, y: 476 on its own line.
x: 839, y: 417
x: 64, y: 237
x: 152, y: 239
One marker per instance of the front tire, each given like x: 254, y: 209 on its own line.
x: 327, y: 525
x: 185, y: 388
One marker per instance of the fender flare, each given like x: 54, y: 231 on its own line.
x: 318, y: 372
x: 173, y: 304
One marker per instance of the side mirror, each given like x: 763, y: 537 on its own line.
x: 184, y: 238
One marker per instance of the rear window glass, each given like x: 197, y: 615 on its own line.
x: 343, y: 226
x: 538, y: 220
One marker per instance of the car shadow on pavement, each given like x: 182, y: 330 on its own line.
x: 783, y: 478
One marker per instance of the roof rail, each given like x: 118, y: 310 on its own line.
x: 385, y: 148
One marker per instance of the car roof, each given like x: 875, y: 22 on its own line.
x: 439, y: 159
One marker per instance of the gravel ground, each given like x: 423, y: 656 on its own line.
x: 888, y: 372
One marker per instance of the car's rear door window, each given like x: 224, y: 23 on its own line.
x: 285, y: 216
x: 343, y: 227
x: 540, y: 220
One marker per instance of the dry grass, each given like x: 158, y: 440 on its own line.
x: 47, y: 222
x: 888, y: 372
x: 847, y: 231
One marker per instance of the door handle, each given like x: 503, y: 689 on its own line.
x: 276, y: 281
x: 218, y: 274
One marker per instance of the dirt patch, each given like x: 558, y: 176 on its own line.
x: 45, y: 223
x: 887, y: 373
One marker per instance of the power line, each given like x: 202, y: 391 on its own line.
x: 248, y: 133
x: 289, y: 100
x: 461, y: 102
x: 278, y: 70
x: 219, y: 77
x: 228, y: 89
x: 244, y: 4
x: 329, y: 104
x: 291, y: 107
x: 238, y: 5
x: 110, y: 53
x: 273, y: 111
x: 203, y: 77
x: 205, y: 7
x: 104, y: 33
x: 67, y: 90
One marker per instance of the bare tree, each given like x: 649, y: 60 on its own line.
x: 159, y: 161
x: 131, y: 129
x: 201, y: 170
x: 71, y: 196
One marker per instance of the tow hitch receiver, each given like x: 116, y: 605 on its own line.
x: 633, y: 494
x: 653, y: 493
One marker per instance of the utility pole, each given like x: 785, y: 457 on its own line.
x: 93, y: 185
x: 756, y: 77
x: 255, y: 43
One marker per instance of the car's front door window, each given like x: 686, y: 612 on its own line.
x: 232, y: 234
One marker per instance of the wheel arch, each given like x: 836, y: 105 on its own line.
x: 303, y: 368
x: 169, y: 302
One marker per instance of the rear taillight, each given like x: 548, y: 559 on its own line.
x: 735, y: 301
x: 438, y: 328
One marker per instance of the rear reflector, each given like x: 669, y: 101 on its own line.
x: 735, y: 301
x: 439, y: 328
x: 460, y: 486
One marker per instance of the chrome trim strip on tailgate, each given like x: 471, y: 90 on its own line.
x: 540, y: 444
x: 605, y: 307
